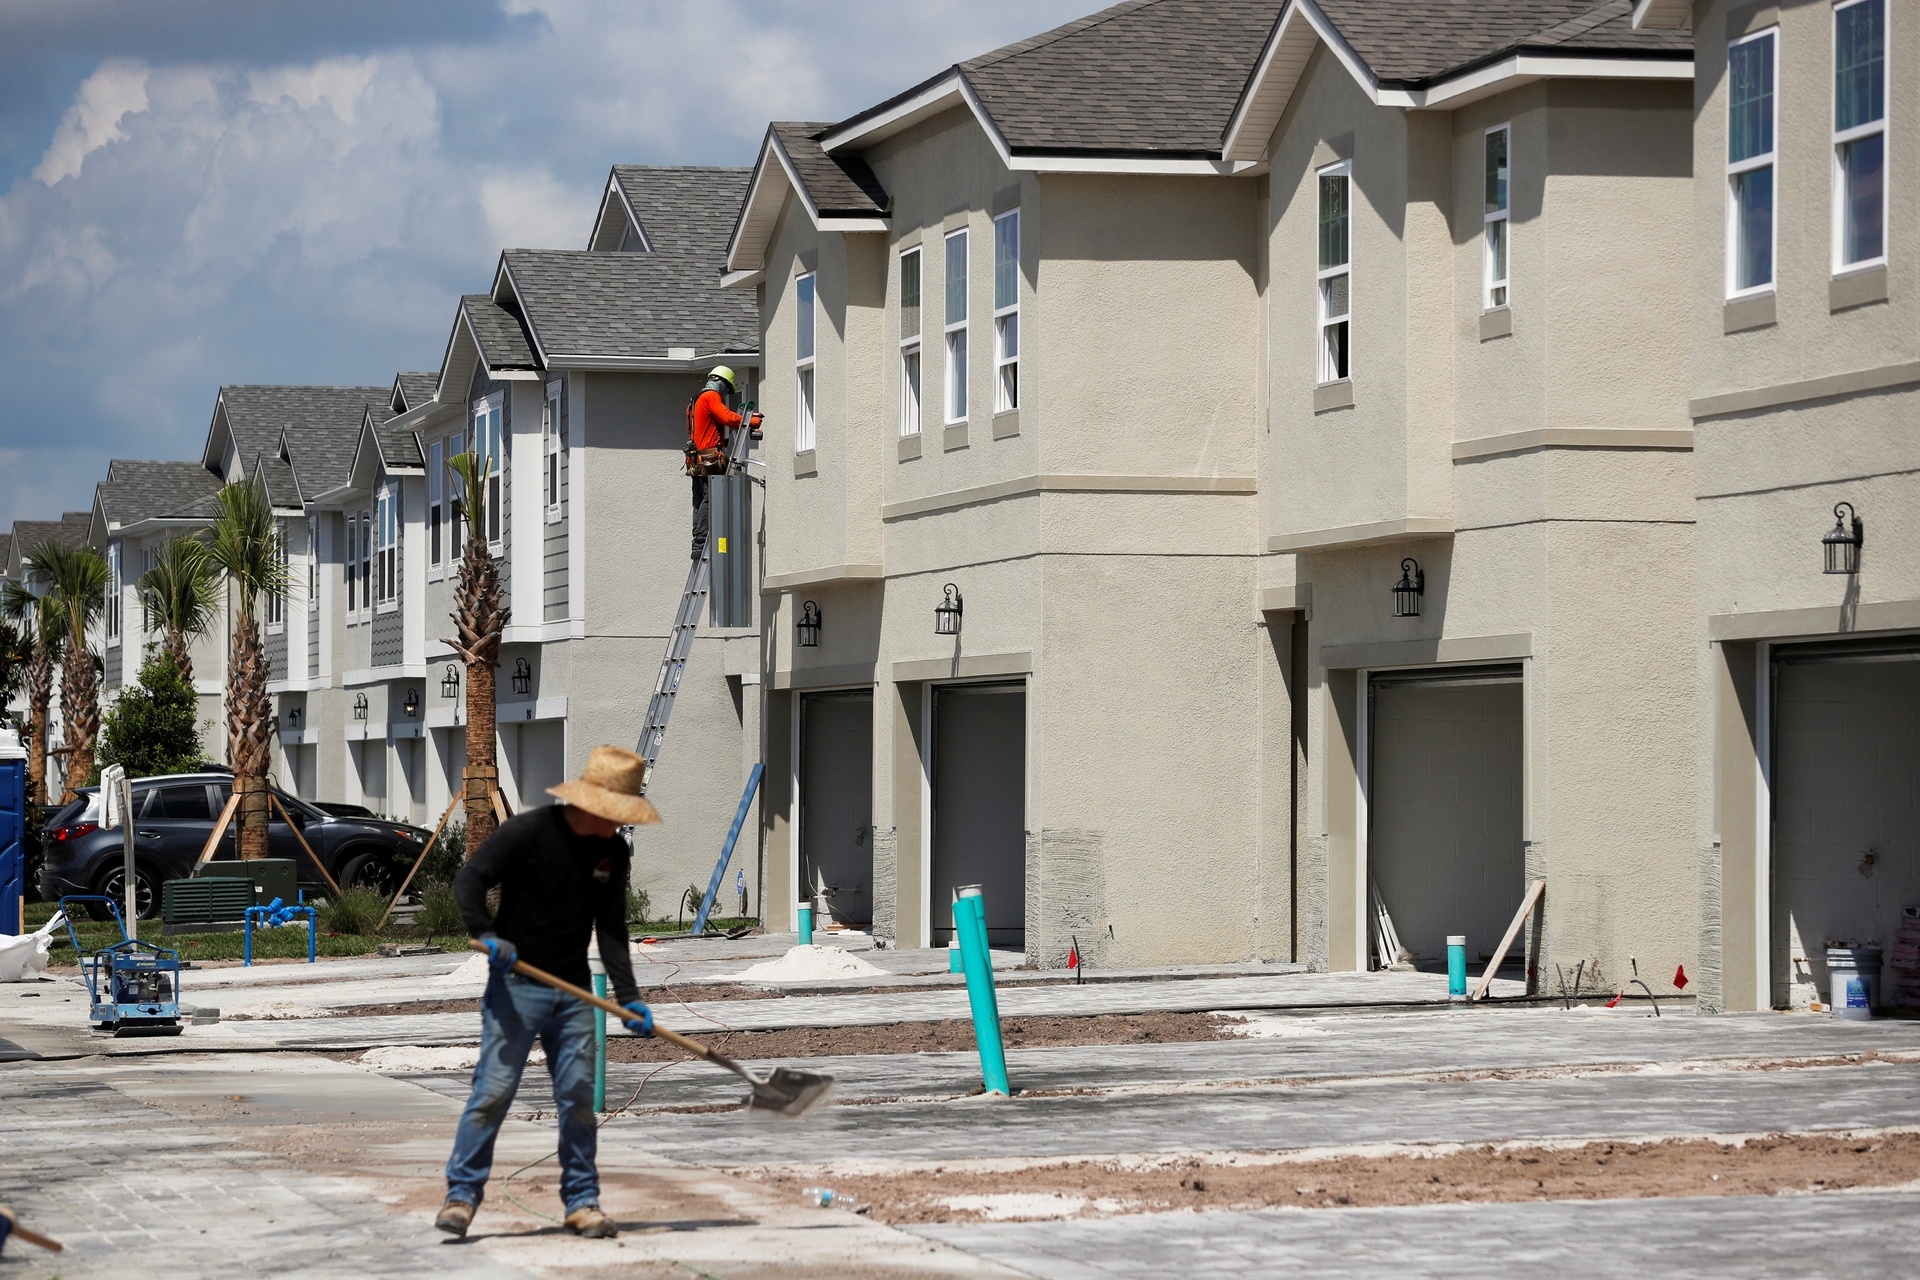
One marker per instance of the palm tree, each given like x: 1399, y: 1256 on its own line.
x: 246, y: 546
x: 181, y: 593
x: 77, y: 579
x: 479, y: 618
x: 42, y: 618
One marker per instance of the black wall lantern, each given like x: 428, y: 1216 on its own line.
x: 450, y: 682
x: 293, y: 717
x: 1407, y: 591
x: 522, y: 676
x: 412, y: 704
x: 1842, y: 544
x: 359, y: 706
x: 946, y: 614
x: 809, y: 625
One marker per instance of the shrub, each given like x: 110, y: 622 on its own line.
x: 448, y: 855
x: 639, y: 906
x: 355, y: 911
x: 150, y: 730
x: 439, y: 912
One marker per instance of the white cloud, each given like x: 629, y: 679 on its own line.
x: 105, y: 98
x: 532, y: 209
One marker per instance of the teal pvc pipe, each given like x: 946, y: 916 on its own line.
x: 803, y: 923
x: 1457, y: 967
x: 970, y: 922
x: 600, y: 1047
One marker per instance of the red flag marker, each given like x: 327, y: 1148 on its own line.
x: 1680, y: 978
x: 1616, y: 999
x: 1073, y: 958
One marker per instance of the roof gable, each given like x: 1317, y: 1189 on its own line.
x: 839, y: 193
x: 627, y: 310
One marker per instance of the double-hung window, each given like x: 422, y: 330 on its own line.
x: 956, y: 326
x: 910, y: 342
x: 1335, y: 284
x: 366, y: 564
x: 112, y: 619
x: 353, y: 567
x: 451, y: 514
x: 551, y: 451
x: 1859, y: 134
x: 1006, y: 312
x: 387, y: 545
x: 1497, y: 220
x: 436, y: 517
x: 803, y: 426
x: 277, y: 600
x: 313, y: 561
x: 1752, y: 70
x: 487, y: 448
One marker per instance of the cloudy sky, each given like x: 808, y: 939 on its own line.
x: 198, y: 192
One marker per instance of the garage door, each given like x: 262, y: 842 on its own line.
x: 836, y: 802
x: 1444, y: 807
x: 1846, y: 826
x: 980, y: 807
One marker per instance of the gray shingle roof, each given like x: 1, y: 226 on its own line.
x: 70, y: 530
x: 1162, y: 77
x: 631, y: 304
x: 503, y: 343
x: 416, y: 389
x: 837, y: 184
x: 399, y: 447
x: 141, y: 490
x: 282, y: 489
x: 686, y: 210
x: 322, y: 456
x: 258, y: 415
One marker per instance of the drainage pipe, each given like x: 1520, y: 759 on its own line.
x: 970, y: 923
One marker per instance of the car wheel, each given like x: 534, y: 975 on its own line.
x: 370, y: 871
x: 112, y: 884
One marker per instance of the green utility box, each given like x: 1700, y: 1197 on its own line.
x: 272, y: 877
x: 205, y: 900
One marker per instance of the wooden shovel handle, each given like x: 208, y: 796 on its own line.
x: 673, y: 1038
x: 31, y: 1237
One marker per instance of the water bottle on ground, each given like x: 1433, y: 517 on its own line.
x: 817, y: 1197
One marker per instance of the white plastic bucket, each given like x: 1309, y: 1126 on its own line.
x: 1854, y: 977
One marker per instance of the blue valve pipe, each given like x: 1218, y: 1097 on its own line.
x: 970, y: 922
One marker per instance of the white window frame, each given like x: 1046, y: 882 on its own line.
x: 386, y: 545
x: 366, y: 564
x: 1496, y: 291
x: 489, y: 444
x: 1006, y: 323
x: 147, y: 558
x: 912, y: 365
x: 436, y: 510
x: 313, y: 561
x: 806, y: 338
x: 1326, y: 372
x: 1764, y: 160
x: 277, y: 603
x: 550, y: 454
x: 450, y: 502
x: 954, y: 399
x: 351, y: 562
x: 1841, y: 137
x: 113, y: 602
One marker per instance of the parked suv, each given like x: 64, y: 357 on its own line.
x: 172, y: 818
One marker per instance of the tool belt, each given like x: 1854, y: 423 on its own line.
x: 706, y: 462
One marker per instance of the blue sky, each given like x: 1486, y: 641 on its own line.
x: 198, y: 192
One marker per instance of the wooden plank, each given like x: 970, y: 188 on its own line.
x: 501, y: 809
x: 415, y: 868
x: 294, y: 827
x: 219, y: 830
x: 1513, y: 931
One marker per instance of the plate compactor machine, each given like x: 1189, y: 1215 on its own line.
x: 134, y: 986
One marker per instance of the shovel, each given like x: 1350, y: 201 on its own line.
x: 783, y: 1091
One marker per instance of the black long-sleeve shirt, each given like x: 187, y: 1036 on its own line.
x: 556, y: 888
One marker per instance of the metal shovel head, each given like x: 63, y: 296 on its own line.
x: 787, y: 1092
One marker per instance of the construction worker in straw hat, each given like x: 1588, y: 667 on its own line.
x: 707, y: 446
x: 562, y: 874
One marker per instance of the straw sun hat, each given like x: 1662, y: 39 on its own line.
x: 609, y: 787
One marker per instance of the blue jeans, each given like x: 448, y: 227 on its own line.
x: 513, y: 1013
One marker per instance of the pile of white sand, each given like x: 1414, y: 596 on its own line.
x: 808, y: 964
x: 474, y: 970
x: 414, y: 1057
x: 273, y: 1010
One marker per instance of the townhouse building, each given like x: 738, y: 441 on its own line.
x: 1105, y: 420
x: 28, y: 537
x: 1805, y: 382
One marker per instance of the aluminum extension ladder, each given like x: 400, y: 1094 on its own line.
x: 686, y: 623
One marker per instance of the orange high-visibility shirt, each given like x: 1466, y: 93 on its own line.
x: 710, y: 413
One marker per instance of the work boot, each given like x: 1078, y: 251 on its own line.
x: 588, y: 1221
x: 455, y: 1217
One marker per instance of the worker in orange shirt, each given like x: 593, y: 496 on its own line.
x: 707, y: 447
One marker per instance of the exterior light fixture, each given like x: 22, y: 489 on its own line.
x: 522, y: 676
x: 808, y: 627
x: 946, y: 614
x: 450, y: 682
x: 293, y: 717
x: 359, y: 706
x: 412, y: 704
x: 1842, y: 544
x: 1407, y: 591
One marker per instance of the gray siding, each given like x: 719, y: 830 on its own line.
x: 313, y: 631
x: 389, y: 637
x: 277, y: 654
x: 114, y: 663
x: 553, y: 594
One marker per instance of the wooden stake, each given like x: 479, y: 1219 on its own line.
x: 452, y: 804
x: 219, y: 830
x: 288, y: 819
x: 501, y: 809
x: 1513, y: 931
